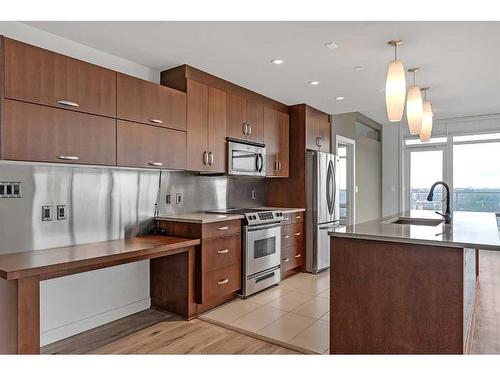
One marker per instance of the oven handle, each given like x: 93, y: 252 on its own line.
x: 253, y: 228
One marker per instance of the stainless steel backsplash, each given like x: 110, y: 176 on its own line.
x: 106, y: 203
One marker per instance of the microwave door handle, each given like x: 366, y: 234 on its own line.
x: 259, y: 162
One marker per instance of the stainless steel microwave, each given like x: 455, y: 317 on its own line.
x: 246, y: 158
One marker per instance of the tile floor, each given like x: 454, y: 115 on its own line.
x: 295, y: 312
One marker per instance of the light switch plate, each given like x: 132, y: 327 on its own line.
x: 179, y: 200
x: 46, y: 213
x: 62, y: 212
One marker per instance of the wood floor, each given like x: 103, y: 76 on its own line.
x: 153, y: 332
x: 487, y: 332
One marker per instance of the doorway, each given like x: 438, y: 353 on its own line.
x: 346, y: 151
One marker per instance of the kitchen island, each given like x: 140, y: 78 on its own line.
x: 407, y: 283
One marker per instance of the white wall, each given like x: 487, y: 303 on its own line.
x: 73, y: 304
x: 390, y: 169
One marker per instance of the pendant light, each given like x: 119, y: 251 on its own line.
x: 414, y: 105
x: 395, y: 86
x: 426, y: 130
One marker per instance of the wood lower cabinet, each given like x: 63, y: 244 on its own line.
x: 292, y: 244
x: 147, y: 146
x: 218, y: 263
x: 39, y: 133
x: 39, y: 76
x: 147, y: 102
x: 276, y: 139
x: 206, y: 128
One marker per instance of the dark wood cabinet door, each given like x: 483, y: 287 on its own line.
x: 150, y: 103
x: 39, y: 133
x: 150, y: 146
x: 217, y: 114
x: 272, y: 141
x: 197, y: 126
x: 36, y: 75
x: 236, y: 117
x: 284, y: 144
x: 255, y: 120
x: 324, y: 132
x: 312, y: 129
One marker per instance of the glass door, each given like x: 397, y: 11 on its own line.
x: 424, y: 166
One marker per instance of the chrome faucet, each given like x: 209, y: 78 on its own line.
x: 447, y: 214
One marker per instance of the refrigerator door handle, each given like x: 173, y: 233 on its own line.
x: 330, y: 190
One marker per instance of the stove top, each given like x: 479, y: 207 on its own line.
x: 254, y: 216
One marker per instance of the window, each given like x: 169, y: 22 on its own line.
x: 476, y: 137
x: 476, y: 176
x: 426, y: 167
x: 367, y: 131
x: 416, y: 141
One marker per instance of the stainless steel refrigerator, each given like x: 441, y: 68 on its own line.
x: 322, y: 210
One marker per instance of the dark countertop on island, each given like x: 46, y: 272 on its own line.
x: 477, y: 230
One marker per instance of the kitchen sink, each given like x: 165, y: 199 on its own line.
x: 414, y: 221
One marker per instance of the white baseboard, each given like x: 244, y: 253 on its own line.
x: 80, y: 326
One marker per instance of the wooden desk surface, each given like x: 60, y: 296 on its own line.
x: 60, y: 261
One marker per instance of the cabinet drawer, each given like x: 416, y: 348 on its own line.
x: 220, y: 283
x: 150, y: 103
x: 150, y: 146
x: 220, y: 252
x: 221, y: 228
x: 292, y: 257
x: 39, y: 76
x: 292, y: 235
x: 39, y: 133
x: 293, y: 218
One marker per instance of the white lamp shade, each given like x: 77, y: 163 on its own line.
x: 426, y: 130
x: 395, y: 91
x: 414, y: 109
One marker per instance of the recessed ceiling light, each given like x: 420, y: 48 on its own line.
x: 314, y: 83
x: 277, y: 61
x: 339, y: 98
x: 359, y: 67
x: 331, y: 45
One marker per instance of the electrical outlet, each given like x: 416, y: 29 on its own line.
x: 10, y: 190
x: 62, y: 212
x: 254, y: 194
x: 46, y: 213
x: 168, y: 199
x: 179, y: 199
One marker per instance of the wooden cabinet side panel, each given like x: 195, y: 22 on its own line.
x: 28, y: 315
x: 39, y: 76
x: 197, y: 126
x: 408, y: 297
x: 39, y: 133
x: 217, y: 117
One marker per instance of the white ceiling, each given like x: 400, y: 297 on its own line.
x: 459, y: 60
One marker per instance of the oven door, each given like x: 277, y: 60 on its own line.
x: 246, y: 160
x: 262, y: 247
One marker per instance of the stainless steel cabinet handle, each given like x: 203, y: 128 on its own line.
x: 225, y: 251
x: 205, y: 158
x: 298, y: 255
x: 286, y: 259
x: 286, y: 218
x: 297, y: 234
x: 245, y: 128
x: 222, y: 282
x: 287, y: 236
x: 318, y: 141
x: 68, y: 157
x: 276, y: 166
x: 279, y: 165
x: 249, y: 129
x: 155, y: 121
x: 68, y: 103
x: 223, y: 228
x: 298, y: 217
x: 210, y: 158
x: 155, y: 163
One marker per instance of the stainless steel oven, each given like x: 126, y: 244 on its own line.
x: 246, y: 158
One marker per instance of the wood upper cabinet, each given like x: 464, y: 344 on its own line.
x: 276, y: 139
x: 245, y: 118
x: 318, y: 130
x: 147, y: 102
x: 39, y: 76
x: 39, y: 133
x: 150, y: 146
x: 206, y: 128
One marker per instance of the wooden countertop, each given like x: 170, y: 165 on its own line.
x: 60, y: 261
